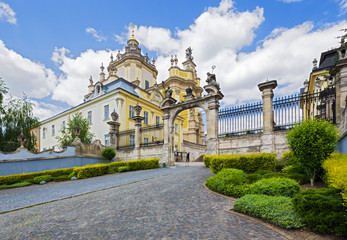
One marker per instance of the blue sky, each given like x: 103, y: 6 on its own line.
x: 48, y: 49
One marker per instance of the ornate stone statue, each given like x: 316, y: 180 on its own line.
x: 211, y: 80
x: 189, y: 54
x: 138, y: 109
x: 168, y: 92
x: 114, y: 116
x: 91, y: 80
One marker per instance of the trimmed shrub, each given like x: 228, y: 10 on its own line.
x: 276, y: 187
x: 46, y: 178
x: 61, y: 178
x: 11, y: 179
x: 280, y: 165
x: 311, y: 143
x: 336, y: 173
x: 123, y: 169
x: 277, y: 210
x: 91, y: 170
x: 108, y: 153
x: 207, y: 160
x: 262, y: 174
x: 322, y: 210
x: 21, y: 184
x: 230, y: 182
x: 247, y: 162
x: 73, y: 174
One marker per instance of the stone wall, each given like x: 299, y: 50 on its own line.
x: 254, y: 143
x: 141, y: 153
x: 195, y: 150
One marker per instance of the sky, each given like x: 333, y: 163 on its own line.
x: 49, y: 49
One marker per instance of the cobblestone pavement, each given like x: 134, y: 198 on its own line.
x: 171, y: 206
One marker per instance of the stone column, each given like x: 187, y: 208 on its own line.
x: 212, y: 127
x: 138, y: 123
x: 268, y: 117
x: 341, y: 92
x: 114, y: 130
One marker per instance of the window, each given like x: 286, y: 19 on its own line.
x: 107, y: 140
x: 176, y: 148
x: 131, y: 111
x: 53, y: 130
x: 176, y: 128
x: 132, y: 140
x: 106, y: 112
x: 145, y: 117
x: 146, y: 84
x: 35, y: 133
x: 90, y: 117
x: 63, y: 125
x: 157, y: 120
x: 44, y: 133
x: 145, y: 141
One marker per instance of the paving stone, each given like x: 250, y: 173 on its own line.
x: 172, y: 204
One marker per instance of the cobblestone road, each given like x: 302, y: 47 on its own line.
x: 171, y: 206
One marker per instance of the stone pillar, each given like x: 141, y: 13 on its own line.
x: 212, y: 127
x: 114, y: 130
x: 138, y: 123
x: 268, y: 117
x: 341, y: 93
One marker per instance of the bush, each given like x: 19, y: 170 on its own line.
x: 247, y: 162
x: 311, y: 143
x: 91, y: 170
x: 276, y: 187
x: 277, y: 210
x: 322, y: 210
x: 61, y: 178
x: 46, y: 178
x: 230, y: 182
x: 11, y: 179
x: 336, y: 173
x: 21, y: 184
x: 207, y: 160
x: 280, y: 165
x: 262, y: 174
x: 108, y: 153
x: 123, y: 169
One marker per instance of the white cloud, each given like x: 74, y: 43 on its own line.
x: 217, y: 37
x: 98, y: 37
x: 73, y: 83
x: 44, y: 110
x: 23, y: 75
x: 7, y: 13
x: 343, y: 6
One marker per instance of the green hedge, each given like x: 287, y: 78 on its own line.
x: 322, y: 210
x: 46, y: 178
x: 231, y: 182
x: 207, y: 160
x: 277, y: 210
x: 247, y: 162
x: 83, y: 172
x: 11, y: 179
x: 123, y: 169
x: 276, y: 187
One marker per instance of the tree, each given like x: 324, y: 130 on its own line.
x: 17, y: 117
x: 311, y: 143
x: 68, y: 134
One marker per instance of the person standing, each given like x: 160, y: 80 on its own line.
x: 187, y: 159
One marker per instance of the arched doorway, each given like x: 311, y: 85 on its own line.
x: 209, y: 103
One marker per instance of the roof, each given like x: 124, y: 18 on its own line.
x: 327, y: 59
x: 120, y: 83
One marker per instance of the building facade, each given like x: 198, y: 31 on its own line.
x: 131, y: 79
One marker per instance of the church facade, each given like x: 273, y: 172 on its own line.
x: 130, y: 80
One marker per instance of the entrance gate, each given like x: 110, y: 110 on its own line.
x: 210, y: 104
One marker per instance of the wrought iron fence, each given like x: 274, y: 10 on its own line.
x: 293, y: 109
x: 126, y: 139
x: 152, y: 135
x: 240, y: 120
x: 288, y: 111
